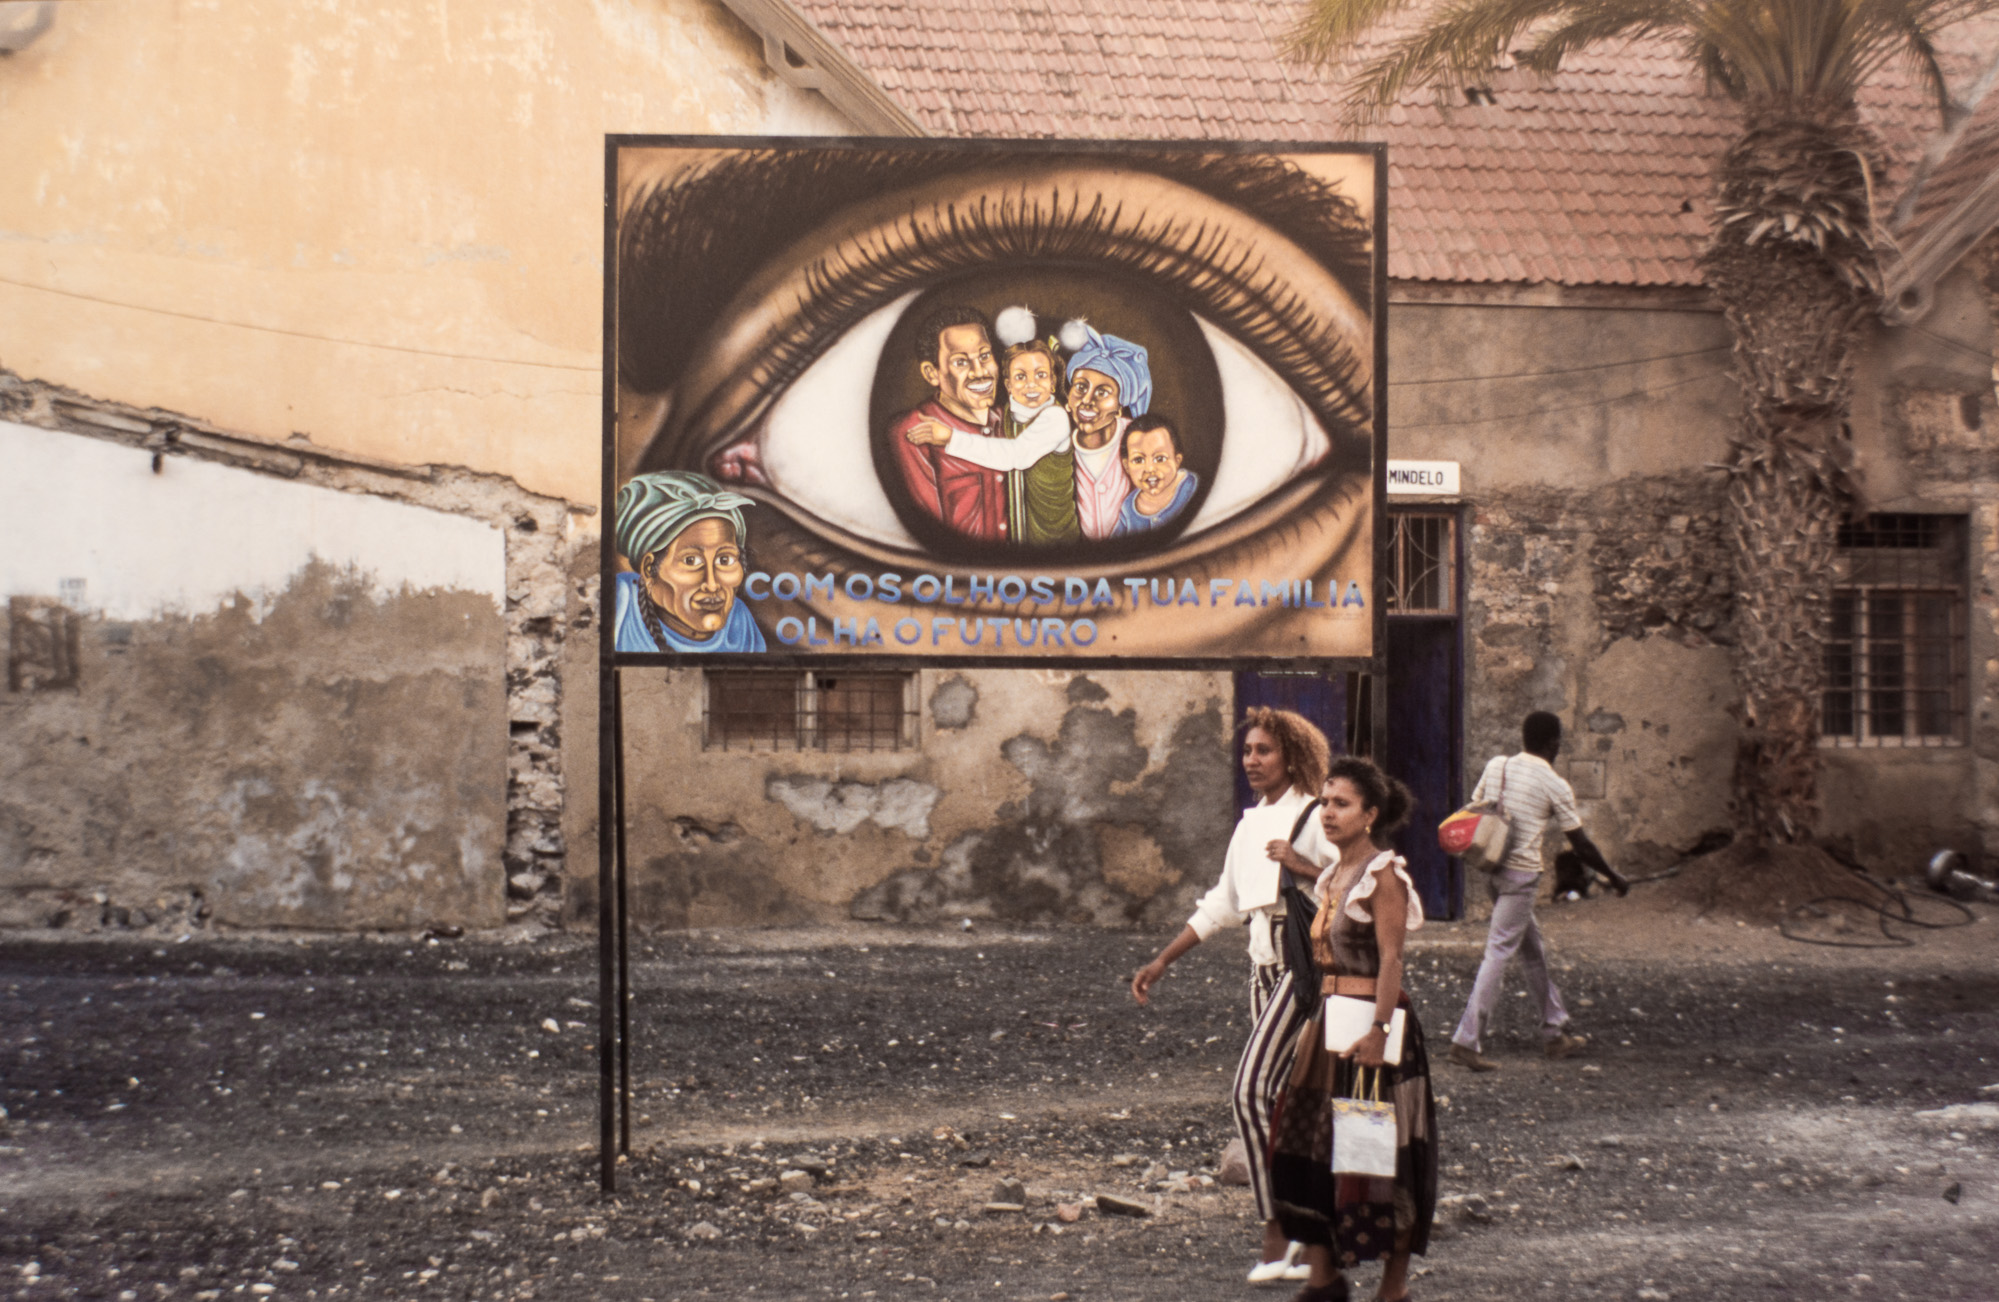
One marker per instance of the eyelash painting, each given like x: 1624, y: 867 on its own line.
x: 993, y: 401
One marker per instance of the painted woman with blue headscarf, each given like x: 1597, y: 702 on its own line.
x: 683, y: 535
x: 1110, y: 382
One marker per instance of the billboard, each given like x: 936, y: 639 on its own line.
x: 992, y: 400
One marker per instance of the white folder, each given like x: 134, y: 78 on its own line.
x: 1347, y: 1019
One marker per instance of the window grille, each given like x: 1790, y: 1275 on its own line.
x: 1423, y: 564
x: 786, y: 709
x: 1896, y: 664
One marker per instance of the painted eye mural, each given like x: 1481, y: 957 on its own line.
x: 1004, y: 400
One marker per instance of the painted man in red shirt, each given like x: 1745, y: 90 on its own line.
x: 954, y: 353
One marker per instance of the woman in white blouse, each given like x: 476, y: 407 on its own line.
x: 1285, y: 758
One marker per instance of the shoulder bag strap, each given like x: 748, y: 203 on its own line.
x: 1311, y: 807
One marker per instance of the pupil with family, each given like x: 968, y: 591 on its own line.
x: 1048, y: 442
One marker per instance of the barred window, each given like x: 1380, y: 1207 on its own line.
x: 790, y: 709
x: 1895, y: 655
x: 1423, y: 559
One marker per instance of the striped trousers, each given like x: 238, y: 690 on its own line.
x: 1266, y: 1060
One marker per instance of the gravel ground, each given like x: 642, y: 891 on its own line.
x: 827, y: 1114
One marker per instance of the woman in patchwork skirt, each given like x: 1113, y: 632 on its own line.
x: 1368, y: 905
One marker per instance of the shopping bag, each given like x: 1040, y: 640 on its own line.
x: 1477, y: 832
x: 1364, y: 1132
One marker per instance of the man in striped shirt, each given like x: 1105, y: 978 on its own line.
x: 1529, y: 794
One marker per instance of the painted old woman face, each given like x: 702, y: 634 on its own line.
x: 694, y: 581
x: 1093, y: 407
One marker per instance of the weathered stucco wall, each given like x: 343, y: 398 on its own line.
x: 1599, y: 585
x: 357, y: 247
x: 1927, y: 424
x: 322, y: 744
x: 1032, y: 796
x: 379, y: 224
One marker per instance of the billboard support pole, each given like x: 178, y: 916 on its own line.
x: 610, y: 923
x: 610, y: 748
x: 624, y: 937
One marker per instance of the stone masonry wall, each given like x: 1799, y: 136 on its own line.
x: 543, y: 538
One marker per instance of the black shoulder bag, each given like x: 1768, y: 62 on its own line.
x: 1299, y: 915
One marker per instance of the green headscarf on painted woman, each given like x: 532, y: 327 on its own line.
x: 683, y: 535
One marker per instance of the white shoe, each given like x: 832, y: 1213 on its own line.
x: 1291, y: 1266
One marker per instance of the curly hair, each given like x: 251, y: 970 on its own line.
x: 1304, y: 748
x: 1386, y: 796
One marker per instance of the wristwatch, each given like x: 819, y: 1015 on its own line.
x: 1382, y: 1027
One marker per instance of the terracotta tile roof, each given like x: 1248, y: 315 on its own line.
x: 1597, y: 177
x: 1972, y: 160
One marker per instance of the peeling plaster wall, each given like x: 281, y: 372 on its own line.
x: 1599, y: 586
x: 360, y: 247
x: 1927, y: 419
x: 1032, y: 796
x: 320, y: 743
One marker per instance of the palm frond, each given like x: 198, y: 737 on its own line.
x: 1606, y: 20
x: 1457, y: 46
x: 1816, y: 52
x: 1327, y: 30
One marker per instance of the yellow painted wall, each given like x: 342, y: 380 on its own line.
x: 376, y: 225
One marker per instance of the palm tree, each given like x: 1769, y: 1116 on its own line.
x: 1794, y: 257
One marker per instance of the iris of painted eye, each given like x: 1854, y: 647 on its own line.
x: 814, y: 448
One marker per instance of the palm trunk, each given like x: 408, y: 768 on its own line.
x: 1796, y: 294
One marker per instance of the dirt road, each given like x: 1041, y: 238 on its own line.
x: 826, y: 1115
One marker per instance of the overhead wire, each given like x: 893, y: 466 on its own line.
x: 1549, y: 411
x: 1560, y: 370
x: 298, y: 334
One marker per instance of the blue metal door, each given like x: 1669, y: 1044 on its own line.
x: 1319, y: 697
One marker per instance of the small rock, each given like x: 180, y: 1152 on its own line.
x: 1952, y: 1194
x: 1003, y: 1209
x: 1234, y: 1166
x: 794, y: 1180
x: 1989, y: 1091
x: 1126, y: 1159
x: 1654, y: 1295
x: 552, y: 1026
x: 980, y: 1158
x: 1010, y: 1191
x: 1112, y: 1205
x: 1591, y: 1069
x: 1156, y: 1171
x: 1566, y: 1162
x: 703, y: 1230
x: 1610, y: 1141
x: 1068, y: 1213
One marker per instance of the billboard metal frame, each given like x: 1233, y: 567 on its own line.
x: 614, y: 1039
